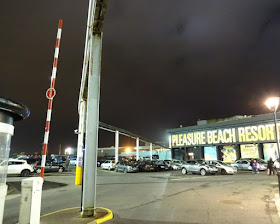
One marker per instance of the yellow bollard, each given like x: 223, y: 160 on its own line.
x: 78, y: 179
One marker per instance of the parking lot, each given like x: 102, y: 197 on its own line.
x: 165, y: 197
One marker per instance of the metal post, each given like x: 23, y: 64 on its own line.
x: 277, y: 140
x: 117, y: 146
x: 169, y: 141
x: 137, y: 149
x: 90, y: 171
x: 276, y: 133
x: 80, y: 144
x: 151, y: 151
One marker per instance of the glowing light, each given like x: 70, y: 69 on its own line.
x: 69, y: 151
x: 272, y: 103
x: 127, y: 150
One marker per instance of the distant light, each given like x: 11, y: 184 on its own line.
x: 272, y: 103
x: 127, y: 150
x: 69, y: 151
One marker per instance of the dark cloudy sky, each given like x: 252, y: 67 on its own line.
x: 165, y: 63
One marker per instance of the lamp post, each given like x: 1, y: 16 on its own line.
x: 272, y: 104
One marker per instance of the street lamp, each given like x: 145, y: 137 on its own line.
x: 272, y: 104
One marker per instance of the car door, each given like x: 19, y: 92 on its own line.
x: 244, y: 165
x: 54, y: 167
x: 11, y: 167
x: 47, y: 167
x: 191, y: 166
x: 106, y: 164
x: 195, y: 167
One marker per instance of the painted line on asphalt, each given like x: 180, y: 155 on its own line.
x: 65, y: 209
x: 105, y: 218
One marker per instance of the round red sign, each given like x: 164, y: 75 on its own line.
x: 50, y: 93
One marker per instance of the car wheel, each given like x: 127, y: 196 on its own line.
x: 38, y: 170
x: 184, y: 171
x: 202, y: 172
x: 25, y: 173
x: 223, y: 172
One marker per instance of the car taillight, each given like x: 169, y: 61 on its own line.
x: 146, y: 165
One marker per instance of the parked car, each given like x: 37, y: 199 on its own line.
x: 50, y: 166
x: 125, y: 167
x: 108, y: 165
x: 20, y: 167
x: 223, y: 168
x: 147, y: 166
x: 244, y: 164
x: 173, y: 165
x: 260, y: 161
x: 161, y: 165
x: 198, y: 166
x: 73, y: 161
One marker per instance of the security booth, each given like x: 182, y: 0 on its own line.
x: 10, y: 112
x: 227, y: 139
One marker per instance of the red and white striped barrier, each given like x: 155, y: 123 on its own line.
x: 50, y: 95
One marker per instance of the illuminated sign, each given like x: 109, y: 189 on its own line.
x: 250, y: 134
x: 210, y: 153
x: 228, y: 154
x: 270, y: 151
x: 249, y: 151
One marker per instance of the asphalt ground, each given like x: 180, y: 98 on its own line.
x: 164, y: 197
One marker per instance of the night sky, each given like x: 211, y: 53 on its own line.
x: 165, y: 63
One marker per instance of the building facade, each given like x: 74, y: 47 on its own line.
x: 226, y: 139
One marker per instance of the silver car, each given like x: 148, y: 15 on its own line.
x: 222, y: 167
x: 126, y: 168
x: 198, y: 166
x: 244, y: 164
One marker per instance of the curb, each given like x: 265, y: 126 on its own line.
x: 105, y: 218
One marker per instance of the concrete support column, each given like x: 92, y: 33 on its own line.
x: 137, y: 149
x: 117, y: 146
x: 169, y: 141
x: 90, y: 160
x: 151, y: 151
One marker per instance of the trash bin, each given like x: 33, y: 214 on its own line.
x: 10, y: 111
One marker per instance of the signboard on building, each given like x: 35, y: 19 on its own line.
x: 228, y: 154
x: 270, y: 151
x: 246, y: 134
x: 210, y: 153
x: 249, y: 151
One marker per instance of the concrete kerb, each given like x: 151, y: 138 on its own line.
x: 72, y: 215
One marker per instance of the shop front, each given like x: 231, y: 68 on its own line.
x: 226, y: 140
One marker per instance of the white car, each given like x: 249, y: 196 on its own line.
x: 20, y: 167
x: 222, y: 167
x: 108, y: 165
